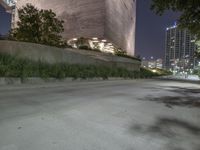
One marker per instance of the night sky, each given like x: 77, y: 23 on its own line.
x: 4, y: 21
x: 150, y: 29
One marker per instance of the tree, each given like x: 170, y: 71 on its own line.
x: 38, y: 26
x: 189, y: 14
x: 197, y: 53
x: 189, y: 9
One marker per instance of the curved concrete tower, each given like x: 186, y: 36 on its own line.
x: 113, y: 20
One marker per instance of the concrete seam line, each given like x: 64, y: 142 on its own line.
x: 34, y: 80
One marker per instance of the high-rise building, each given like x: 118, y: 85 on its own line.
x: 9, y: 6
x: 109, y: 20
x: 159, y: 63
x: 152, y: 64
x: 179, y: 49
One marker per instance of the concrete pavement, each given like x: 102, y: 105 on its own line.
x: 104, y: 115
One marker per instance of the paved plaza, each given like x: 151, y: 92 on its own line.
x: 101, y: 115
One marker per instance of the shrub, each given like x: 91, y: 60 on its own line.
x: 122, y: 53
x: 84, y: 47
x: 11, y: 66
x: 144, y: 73
x: 38, y: 26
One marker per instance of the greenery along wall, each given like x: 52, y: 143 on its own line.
x: 11, y: 66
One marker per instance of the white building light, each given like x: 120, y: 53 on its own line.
x: 75, y: 39
x: 95, y: 38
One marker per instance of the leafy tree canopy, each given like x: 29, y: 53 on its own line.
x: 38, y: 26
x: 189, y: 9
x: 197, y: 53
x: 189, y: 18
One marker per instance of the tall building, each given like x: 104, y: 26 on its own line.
x: 110, y: 20
x: 9, y: 6
x: 152, y: 64
x: 179, y: 49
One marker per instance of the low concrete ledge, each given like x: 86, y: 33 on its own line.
x: 38, y: 52
x: 6, y: 81
x: 166, y: 78
x: 35, y: 80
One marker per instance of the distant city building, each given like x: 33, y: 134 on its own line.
x: 159, y: 63
x: 9, y: 6
x: 145, y: 63
x: 152, y: 63
x: 179, y: 50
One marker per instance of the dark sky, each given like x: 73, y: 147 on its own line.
x: 4, y: 21
x: 150, y: 30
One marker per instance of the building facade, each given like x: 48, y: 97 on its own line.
x: 179, y: 50
x: 110, y: 20
x: 9, y: 6
x: 153, y: 64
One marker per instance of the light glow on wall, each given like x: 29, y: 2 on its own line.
x: 94, y: 43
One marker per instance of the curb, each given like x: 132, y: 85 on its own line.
x: 6, y: 81
x: 35, y: 80
x: 179, y: 80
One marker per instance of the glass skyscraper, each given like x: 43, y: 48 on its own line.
x: 179, y: 49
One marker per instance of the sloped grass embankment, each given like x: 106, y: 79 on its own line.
x: 11, y: 66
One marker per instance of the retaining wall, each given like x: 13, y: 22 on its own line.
x: 52, y: 55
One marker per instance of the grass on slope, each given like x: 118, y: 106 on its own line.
x: 11, y: 66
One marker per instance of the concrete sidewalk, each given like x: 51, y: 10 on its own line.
x: 106, y: 115
x: 180, y: 78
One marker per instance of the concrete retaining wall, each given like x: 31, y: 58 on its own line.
x: 51, y: 55
x: 35, y: 80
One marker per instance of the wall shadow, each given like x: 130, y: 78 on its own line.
x: 177, y: 134
x: 184, y: 90
x: 186, y: 97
